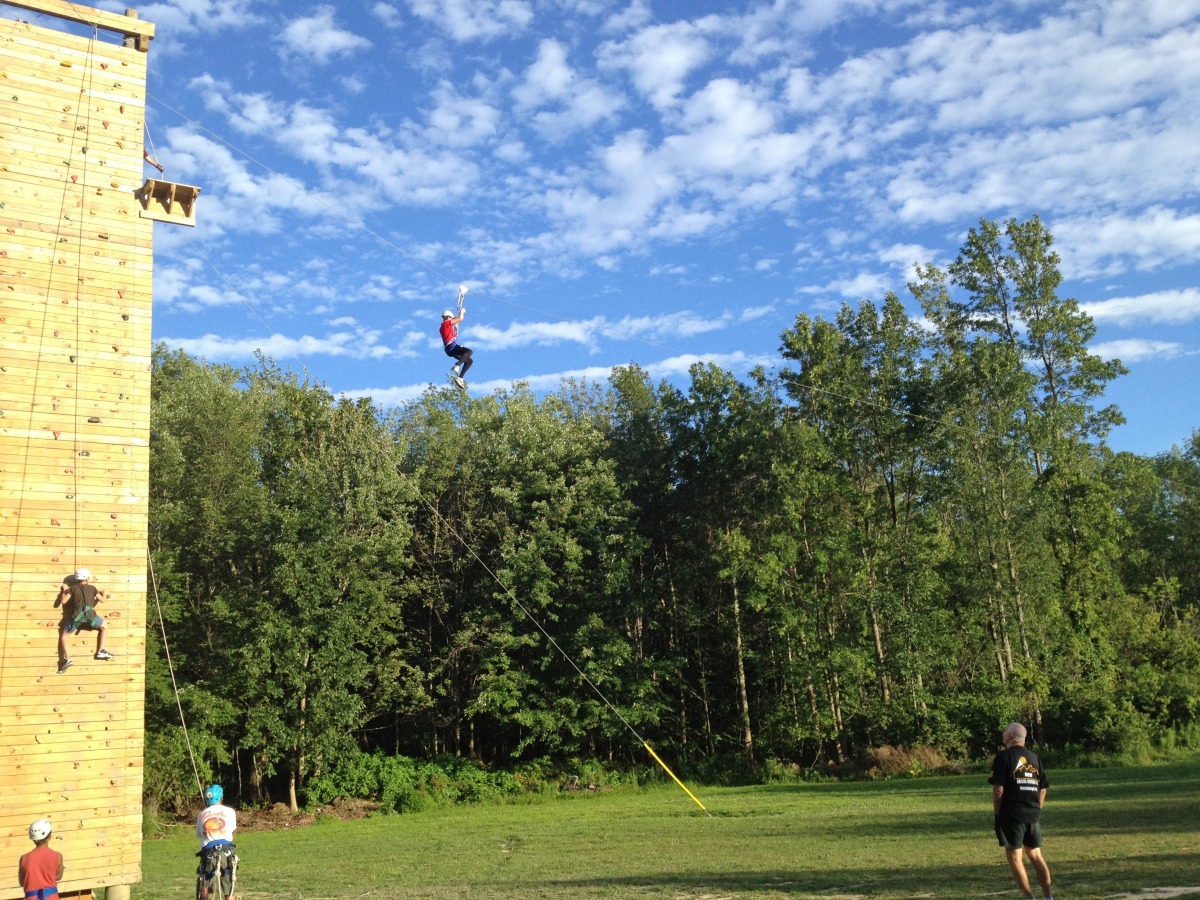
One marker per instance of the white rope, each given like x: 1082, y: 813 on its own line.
x: 171, y: 668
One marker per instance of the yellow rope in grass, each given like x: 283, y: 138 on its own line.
x: 650, y: 750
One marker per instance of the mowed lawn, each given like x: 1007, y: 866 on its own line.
x: 1107, y: 831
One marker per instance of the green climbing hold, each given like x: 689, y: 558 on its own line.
x: 70, y: 496
x: 85, y: 453
x: 125, y: 317
x: 93, y: 420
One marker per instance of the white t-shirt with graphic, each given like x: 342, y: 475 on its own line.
x: 215, y: 823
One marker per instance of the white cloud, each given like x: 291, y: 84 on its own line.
x: 375, y: 165
x: 1156, y: 237
x: 469, y: 20
x: 635, y: 15
x: 1136, y: 350
x: 905, y: 256
x: 659, y: 58
x: 316, y: 37
x: 459, y: 121
x: 865, y: 285
x: 387, y: 14
x: 180, y: 17
x: 576, y: 103
x: 1175, y: 306
x: 756, y: 312
x: 765, y: 265
x: 668, y: 270
x: 358, y: 343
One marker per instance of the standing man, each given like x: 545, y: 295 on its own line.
x: 78, y: 600
x: 41, y: 869
x: 1018, y: 792
x: 450, y: 344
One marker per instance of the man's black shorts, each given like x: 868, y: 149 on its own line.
x: 1013, y: 834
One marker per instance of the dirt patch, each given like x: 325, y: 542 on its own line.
x: 279, y: 817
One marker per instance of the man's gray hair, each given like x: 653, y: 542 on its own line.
x: 1016, y: 731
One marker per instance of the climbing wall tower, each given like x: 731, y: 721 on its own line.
x: 75, y: 278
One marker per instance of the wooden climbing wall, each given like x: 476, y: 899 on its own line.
x: 75, y: 288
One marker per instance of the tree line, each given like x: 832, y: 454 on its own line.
x: 906, y: 532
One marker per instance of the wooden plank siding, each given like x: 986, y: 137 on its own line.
x: 76, y: 264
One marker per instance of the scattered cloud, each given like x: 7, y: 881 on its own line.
x: 357, y: 343
x: 317, y: 38
x: 387, y: 14
x: 475, y: 20
x: 1137, y: 350
x: 1174, y: 307
x: 865, y: 285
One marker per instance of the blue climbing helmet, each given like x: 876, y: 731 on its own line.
x: 214, y: 794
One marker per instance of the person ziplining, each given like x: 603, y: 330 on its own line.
x: 449, y: 332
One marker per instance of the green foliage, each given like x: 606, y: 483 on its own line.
x: 903, y: 536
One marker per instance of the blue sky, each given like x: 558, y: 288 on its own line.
x: 676, y: 181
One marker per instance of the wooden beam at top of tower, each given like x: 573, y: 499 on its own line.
x: 129, y: 25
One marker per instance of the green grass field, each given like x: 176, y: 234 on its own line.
x: 1107, y: 831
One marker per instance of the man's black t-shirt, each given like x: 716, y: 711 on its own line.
x: 1019, y: 772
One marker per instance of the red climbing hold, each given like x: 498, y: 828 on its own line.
x: 55, y: 522
x: 56, y: 434
x: 74, y: 179
x: 112, y: 515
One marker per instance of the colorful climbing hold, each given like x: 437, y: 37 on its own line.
x: 93, y: 420
x: 56, y: 435
x: 55, y: 522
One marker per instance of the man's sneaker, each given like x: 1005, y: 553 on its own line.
x: 454, y: 369
x: 462, y: 384
x: 64, y: 664
x: 104, y: 654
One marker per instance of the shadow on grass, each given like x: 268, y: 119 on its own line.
x: 1079, y: 879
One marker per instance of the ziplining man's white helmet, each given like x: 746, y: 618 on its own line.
x: 40, y: 830
x: 447, y: 314
x: 82, y: 574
